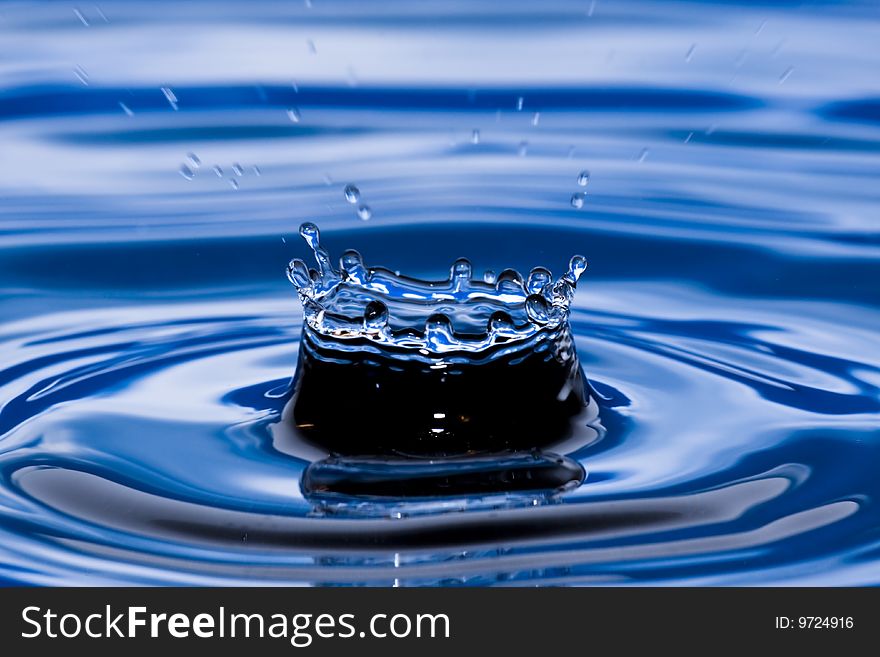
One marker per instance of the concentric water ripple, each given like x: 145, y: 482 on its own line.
x: 728, y: 318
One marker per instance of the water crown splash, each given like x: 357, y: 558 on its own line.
x: 392, y: 367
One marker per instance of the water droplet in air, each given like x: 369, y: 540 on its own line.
x: 352, y: 194
x: 364, y: 212
x: 312, y: 48
x: 489, y: 276
x: 690, y: 52
x: 310, y: 233
x: 786, y: 74
x: 475, y: 137
x: 170, y: 97
x: 234, y: 183
x: 536, y: 117
x: 81, y: 75
x: 523, y: 148
x: 126, y: 109
x: 257, y: 171
x: 643, y: 155
x: 519, y: 103
x: 298, y: 274
x: 538, y: 278
x: 583, y: 178
x: 80, y: 16
x: 186, y: 172
x: 577, y: 200
x: 236, y: 169
x: 218, y: 171
x: 193, y: 160
x: 293, y: 114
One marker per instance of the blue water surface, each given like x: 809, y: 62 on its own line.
x: 158, y: 157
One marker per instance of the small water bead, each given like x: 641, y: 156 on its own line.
x: 786, y: 74
x: 237, y: 169
x: 489, y: 276
x: 509, y: 281
x: 364, y: 212
x: 375, y: 317
x: 576, y: 266
x: 583, y: 178
x: 460, y: 273
x: 536, y: 117
x: 578, y: 199
x: 233, y: 183
x: 218, y: 171
x: 293, y: 114
x: 310, y: 233
x: 125, y: 108
x: 690, y: 52
x: 193, y: 160
x: 538, y: 278
x: 523, y: 148
x: 79, y: 15
x: 644, y: 155
x: 500, y: 322
x: 519, y: 103
x: 352, y: 264
x: 537, y: 310
x: 311, y: 46
x: 475, y: 137
x: 352, y: 194
x: 298, y: 274
x: 186, y: 172
x: 438, y: 330
x: 257, y: 171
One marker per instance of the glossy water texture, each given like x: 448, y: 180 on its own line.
x: 156, y: 160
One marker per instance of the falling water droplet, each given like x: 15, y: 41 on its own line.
x: 519, y: 103
x: 475, y: 137
x: 364, y: 212
x: 311, y: 45
x: 293, y: 114
x: 81, y: 75
x: 79, y: 15
x: 583, y: 178
x: 236, y: 169
x: 234, y: 183
x: 643, y: 155
x: 125, y: 109
x: 352, y: 194
x: 170, y: 97
x: 786, y: 74
x: 536, y: 117
x: 690, y: 52
x: 257, y: 171
x: 578, y: 199
x: 193, y: 160
x: 186, y: 172
x: 523, y: 148
x: 218, y: 171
